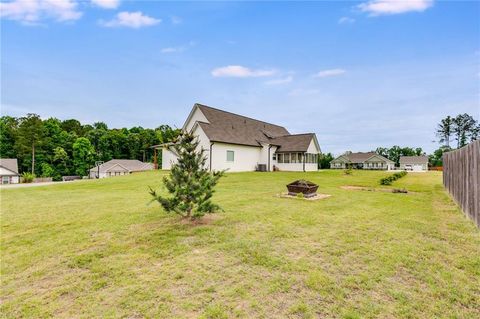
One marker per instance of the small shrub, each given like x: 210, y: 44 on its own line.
x: 385, y: 181
x: 348, y: 171
x: 300, y: 195
x: 28, y: 177
x: 390, y: 179
x: 47, y: 170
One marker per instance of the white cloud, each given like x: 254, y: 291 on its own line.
x: 131, y: 20
x: 239, y: 71
x: 331, y: 72
x: 106, y: 4
x: 385, y: 7
x: 286, y: 80
x: 346, y: 20
x: 176, y: 20
x: 31, y: 12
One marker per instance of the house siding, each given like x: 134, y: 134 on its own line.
x: 246, y: 158
x: 414, y: 167
x: 197, y: 116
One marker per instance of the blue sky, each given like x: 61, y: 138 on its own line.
x: 358, y: 74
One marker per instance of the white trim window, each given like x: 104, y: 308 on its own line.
x: 230, y: 156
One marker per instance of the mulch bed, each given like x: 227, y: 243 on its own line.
x: 317, y: 197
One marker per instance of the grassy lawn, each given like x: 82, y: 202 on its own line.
x: 96, y: 249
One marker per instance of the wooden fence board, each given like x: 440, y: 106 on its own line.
x: 461, y: 177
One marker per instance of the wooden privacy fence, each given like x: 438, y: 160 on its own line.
x: 461, y: 177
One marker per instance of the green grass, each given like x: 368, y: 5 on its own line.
x: 96, y: 249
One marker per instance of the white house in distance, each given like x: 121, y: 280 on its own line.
x: 368, y: 160
x: 237, y: 143
x: 118, y: 167
x: 9, y: 171
x: 414, y: 163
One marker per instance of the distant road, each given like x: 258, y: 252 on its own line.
x: 8, y: 186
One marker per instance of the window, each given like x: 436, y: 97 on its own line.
x: 274, y: 157
x: 280, y: 158
x: 300, y: 157
x: 309, y: 158
x: 230, y: 156
x: 286, y: 158
x: 5, y: 180
x: 293, y: 157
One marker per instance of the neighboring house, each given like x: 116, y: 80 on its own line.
x: 238, y: 143
x: 369, y: 160
x: 118, y: 167
x: 9, y: 171
x: 414, y: 163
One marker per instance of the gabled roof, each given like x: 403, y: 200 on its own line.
x: 293, y: 143
x: 232, y: 128
x: 378, y: 156
x: 360, y: 157
x: 128, y: 165
x: 9, y: 163
x: 413, y: 159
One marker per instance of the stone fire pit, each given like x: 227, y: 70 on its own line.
x: 308, y: 189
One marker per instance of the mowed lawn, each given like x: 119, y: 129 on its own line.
x: 95, y: 249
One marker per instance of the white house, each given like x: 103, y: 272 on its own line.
x: 9, y: 171
x: 118, y: 167
x: 237, y: 143
x: 414, y: 163
x: 368, y: 160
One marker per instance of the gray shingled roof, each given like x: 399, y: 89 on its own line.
x: 226, y: 127
x: 293, y: 143
x: 413, y: 159
x: 9, y: 163
x: 237, y: 129
x: 360, y: 157
x: 129, y: 165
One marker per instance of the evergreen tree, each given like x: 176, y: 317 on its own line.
x: 190, y: 183
x: 445, y: 130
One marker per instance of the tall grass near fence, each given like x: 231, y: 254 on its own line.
x: 461, y: 177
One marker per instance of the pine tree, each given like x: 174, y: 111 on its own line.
x: 190, y: 183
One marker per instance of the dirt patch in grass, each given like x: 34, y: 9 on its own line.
x: 316, y: 197
x: 373, y: 189
x: 205, y: 220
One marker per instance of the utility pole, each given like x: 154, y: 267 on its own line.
x: 33, y: 158
x: 98, y: 163
x: 155, y: 163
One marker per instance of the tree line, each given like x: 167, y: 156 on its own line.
x: 56, y: 148
x: 459, y: 130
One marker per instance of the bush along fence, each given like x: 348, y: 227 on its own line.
x: 461, y: 178
x: 390, y: 179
